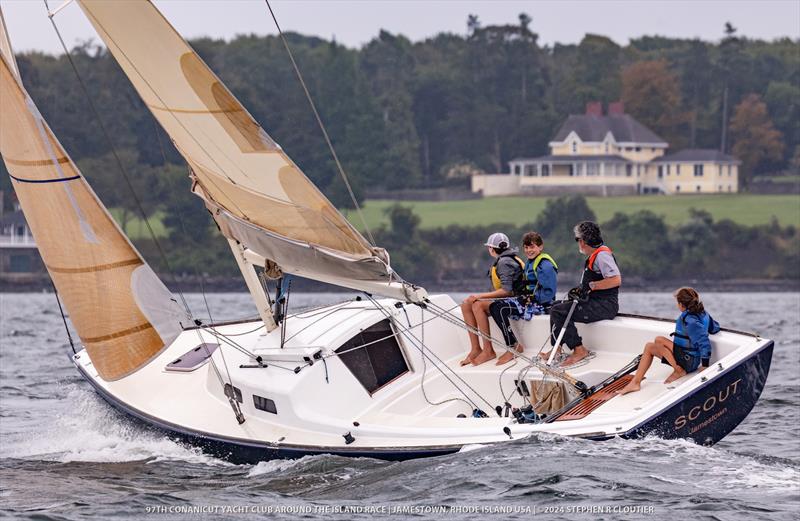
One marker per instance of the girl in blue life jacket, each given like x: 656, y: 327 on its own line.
x: 690, y: 348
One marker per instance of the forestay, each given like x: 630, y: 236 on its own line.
x: 257, y: 195
x: 122, y: 312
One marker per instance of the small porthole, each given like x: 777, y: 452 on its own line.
x: 264, y: 404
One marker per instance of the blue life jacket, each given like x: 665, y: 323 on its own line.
x: 531, y: 279
x: 682, y: 340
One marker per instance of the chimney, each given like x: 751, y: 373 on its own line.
x: 616, y: 108
x: 594, y: 108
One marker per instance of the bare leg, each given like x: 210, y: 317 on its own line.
x: 509, y: 355
x: 651, y: 350
x: 481, y: 311
x: 677, y: 371
x: 469, y: 319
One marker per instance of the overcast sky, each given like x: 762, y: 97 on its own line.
x: 354, y: 23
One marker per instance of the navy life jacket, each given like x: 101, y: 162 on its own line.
x: 682, y: 340
x: 589, y: 275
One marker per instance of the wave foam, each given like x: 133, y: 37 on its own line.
x: 93, y: 432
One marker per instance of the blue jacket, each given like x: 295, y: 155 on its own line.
x: 691, y: 334
x: 545, y: 280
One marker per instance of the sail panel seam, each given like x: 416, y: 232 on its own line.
x: 98, y: 267
x: 36, y: 162
x: 118, y: 334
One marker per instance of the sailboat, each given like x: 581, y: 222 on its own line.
x: 375, y: 376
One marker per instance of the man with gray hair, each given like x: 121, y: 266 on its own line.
x: 597, y: 295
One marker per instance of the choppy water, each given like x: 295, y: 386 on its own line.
x: 65, y: 454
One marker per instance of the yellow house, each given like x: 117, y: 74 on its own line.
x: 612, y: 154
x: 695, y: 171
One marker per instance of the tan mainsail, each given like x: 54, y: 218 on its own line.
x: 259, y: 197
x: 122, y: 312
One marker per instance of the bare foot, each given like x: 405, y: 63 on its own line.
x: 546, y: 355
x: 677, y: 373
x: 632, y: 387
x: 508, y: 356
x: 577, y: 355
x: 468, y: 360
x: 485, y: 356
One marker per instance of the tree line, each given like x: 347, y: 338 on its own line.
x: 645, y: 246
x: 406, y: 114
x: 419, y: 114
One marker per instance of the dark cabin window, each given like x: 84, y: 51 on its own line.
x: 378, y: 363
x: 264, y: 404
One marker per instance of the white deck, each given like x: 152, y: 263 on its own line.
x: 313, y: 412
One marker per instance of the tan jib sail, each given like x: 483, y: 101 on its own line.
x: 258, y: 196
x: 122, y: 312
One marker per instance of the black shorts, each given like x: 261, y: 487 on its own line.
x: 687, y: 362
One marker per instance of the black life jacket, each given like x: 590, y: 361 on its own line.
x: 589, y: 275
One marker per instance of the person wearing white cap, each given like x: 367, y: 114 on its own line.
x: 504, y: 273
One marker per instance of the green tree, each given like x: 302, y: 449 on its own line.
x: 756, y: 141
x: 651, y: 93
x: 641, y: 244
x: 556, y: 224
x: 783, y: 102
x: 412, y: 257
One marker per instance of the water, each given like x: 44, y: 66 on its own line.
x: 65, y: 454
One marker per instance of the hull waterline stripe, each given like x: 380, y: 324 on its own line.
x: 36, y: 162
x: 118, y: 334
x: 57, y: 180
x: 231, y: 445
x: 98, y: 267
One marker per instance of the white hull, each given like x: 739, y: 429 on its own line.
x: 318, y: 406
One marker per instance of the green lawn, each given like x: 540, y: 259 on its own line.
x: 745, y: 209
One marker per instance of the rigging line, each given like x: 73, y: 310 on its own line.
x: 117, y: 158
x: 189, y: 132
x: 500, y: 381
x: 63, y: 317
x: 200, y: 278
x: 224, y: 338
x: 130, y: 187
x: 321, y: 125
x: 407, y: 333
x: 197, y: 273
x: 325, y: 314
x: 555, y: 372
x: 425, y: 367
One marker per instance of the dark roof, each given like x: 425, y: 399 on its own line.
x: 697, y: 154
x: 572, y: 159
x: 14, y: 218
x: 623, y: 127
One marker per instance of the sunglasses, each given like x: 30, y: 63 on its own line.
x: 577, y: 239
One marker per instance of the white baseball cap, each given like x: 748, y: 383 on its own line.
x: 495, y: 239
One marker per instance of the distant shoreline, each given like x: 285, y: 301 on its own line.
x: 632, y: 284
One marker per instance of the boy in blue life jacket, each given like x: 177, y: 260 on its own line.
x: 690, y: 348
x: 533, y: 294
x: 504, y: 274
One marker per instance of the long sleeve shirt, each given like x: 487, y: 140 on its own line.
x: 547, y: 277
x: 697, y: 329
